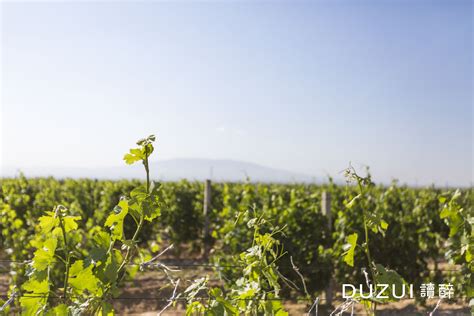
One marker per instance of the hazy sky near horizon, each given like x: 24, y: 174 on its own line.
x: 303, y: 86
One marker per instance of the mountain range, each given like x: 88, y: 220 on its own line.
x: 174, y: 169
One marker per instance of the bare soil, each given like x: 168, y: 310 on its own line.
x: 147, y: 294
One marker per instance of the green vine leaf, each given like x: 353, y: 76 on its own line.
x: 70, y: 223
x: 141, y: 153
x: 83, y: 278
x: 135, y: 154
x: 353, y: 202
x: 61, y: 309
x: 148, y: 204
x: 387, y: 276
x: 48, y: 222
x: 115, y: 220
x: 35, y: 300
x: 351, y: 241
x: 44, y: 256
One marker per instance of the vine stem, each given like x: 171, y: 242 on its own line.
x: 369, y: 259
x: 142, y: 217
x: 366, y: 246
x: 67, y: 257
x: 126, y: 260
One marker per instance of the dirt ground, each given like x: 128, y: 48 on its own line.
x: 146, y: 296
x: 135, y: 300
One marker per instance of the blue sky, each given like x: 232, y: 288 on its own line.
x: 302, y: 86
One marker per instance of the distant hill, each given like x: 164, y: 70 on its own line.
x: 175, y: 169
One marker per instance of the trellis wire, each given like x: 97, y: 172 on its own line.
x: 207, y: 265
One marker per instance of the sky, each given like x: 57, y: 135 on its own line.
x: 305, y: 86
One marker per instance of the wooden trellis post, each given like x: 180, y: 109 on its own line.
x: 326, y: 207
x: 326, y: 210
x: 207, y: 209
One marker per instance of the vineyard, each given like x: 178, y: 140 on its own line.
x: 79, y: 247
